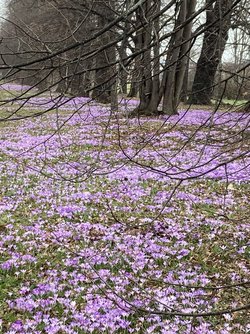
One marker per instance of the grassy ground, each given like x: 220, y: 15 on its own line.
x: 98, y: 234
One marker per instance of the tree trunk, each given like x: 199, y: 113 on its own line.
x: 214, y: 41
x: 144, y: 38
x: 246, y: 107
x: 123, y: 54
x: 151, y: 91
x: 136, y: 73
x: 104, y: 71
x: 62, y: 73
x: 123, y: 73
x: 184, y: 90
x: 177, y: 59
x: 155, y: 97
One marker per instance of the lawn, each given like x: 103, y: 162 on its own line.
x: 117, y: 225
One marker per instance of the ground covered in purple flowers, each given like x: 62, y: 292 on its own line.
x: 118, y: 225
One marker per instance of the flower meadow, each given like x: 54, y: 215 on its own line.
x: 118, y: 225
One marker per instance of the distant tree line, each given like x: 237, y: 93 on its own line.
x: 135, y: 48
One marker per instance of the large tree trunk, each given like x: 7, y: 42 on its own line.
x: 155, y: 96
x: 80, y: 83
x: 177, y: 59
x: 104, y: 71
x: 149, y: 84
x: 136, y: 73
x: 214, y: 41
x: 144, y: 38
x: 123, y: 74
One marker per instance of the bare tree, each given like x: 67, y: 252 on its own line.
x: 218, y: 22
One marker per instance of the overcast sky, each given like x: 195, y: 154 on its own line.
x: 2, y: 2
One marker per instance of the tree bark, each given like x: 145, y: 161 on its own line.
x: 149, y: 84
x: 214, y: 41
x: 177, y: 59
x: 151, y: 90
x: 184, y: 90
x: 104, y: 71
x: 136, y: 73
